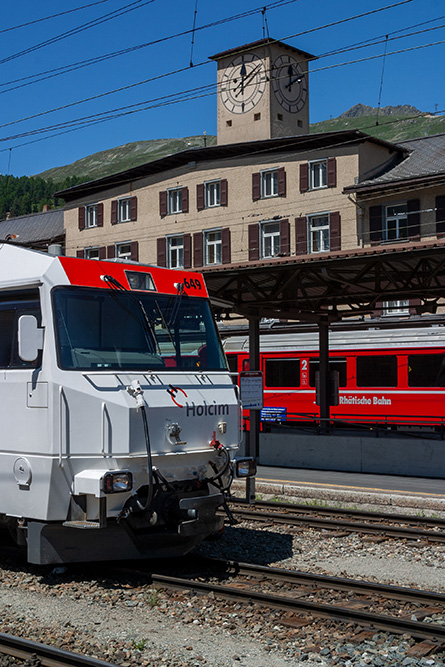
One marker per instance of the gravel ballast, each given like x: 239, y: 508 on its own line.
x: 129, y: 624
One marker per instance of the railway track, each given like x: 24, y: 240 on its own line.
x: 304, y: 597
x: 42, y: 655
x: 373, y: 523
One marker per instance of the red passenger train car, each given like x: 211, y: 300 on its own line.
x: 393, y: 377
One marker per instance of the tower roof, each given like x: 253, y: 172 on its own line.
x: 267, y: 41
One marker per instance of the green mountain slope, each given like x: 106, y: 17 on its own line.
x: 390, y: 123
x: 124, y: 157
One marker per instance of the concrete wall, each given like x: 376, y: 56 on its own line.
x: 394, y: 455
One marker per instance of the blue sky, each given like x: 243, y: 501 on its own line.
x: 411, y: 75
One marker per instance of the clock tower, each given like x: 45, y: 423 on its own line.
x: 263, y: 92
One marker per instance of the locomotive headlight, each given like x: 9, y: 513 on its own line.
x: 117, y: 482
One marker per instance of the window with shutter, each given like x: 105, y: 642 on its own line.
x: 198, y: 249
x: 185, y: 200
x: 187, y: 242
x: 256, y: 186
x: 134, y: 255
x: 284, y: 237
x: 254, y: 241
x: 161, y: 251
x: 335, y: 230
x: 200, y: 196
x: 332, y: 172
x: 81, y: 218
x: 304, y: 177
x: 163, y: 209
x: 213, y: 246
x: 226, y: 247
x: 114, y: 212
x: 281, y: 182
x: 133, y: 209
x: 224, y: 187
x: 301, y: 236
x: 100, y: 215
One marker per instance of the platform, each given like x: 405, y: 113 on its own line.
x: 350, y: 489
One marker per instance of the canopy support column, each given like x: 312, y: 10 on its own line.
x: 253, y: 446
x: 323, y: 332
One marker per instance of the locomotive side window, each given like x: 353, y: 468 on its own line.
x: 338, y: 364
x: 377, y: 371
x: 282, y: 373
x: 10, y: 311
x: 426, y: 370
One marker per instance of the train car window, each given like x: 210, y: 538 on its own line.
x: 338, y: 364
x: 377, y: 371
x: 282, y: 373
x: 426, y: 370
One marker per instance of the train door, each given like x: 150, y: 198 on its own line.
x: 23, y: 396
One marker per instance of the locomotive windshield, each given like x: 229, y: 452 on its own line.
x: 121, y: 330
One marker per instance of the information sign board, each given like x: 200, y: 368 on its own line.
x: 251, y: 389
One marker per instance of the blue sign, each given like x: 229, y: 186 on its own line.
x: 273, y: 414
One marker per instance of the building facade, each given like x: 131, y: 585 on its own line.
x: 269, y: 188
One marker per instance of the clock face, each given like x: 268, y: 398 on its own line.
x: 289, y: 83
x: 243, y: 83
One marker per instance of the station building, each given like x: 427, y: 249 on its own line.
x: 269, y: 188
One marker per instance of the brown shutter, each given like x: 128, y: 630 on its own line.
x: 187, y: 240
x: 304, y: 177
x: 226, y: 248
x: 200, y: 196
x: 111, y: 251
x: 254, y: 242
x: 185, y: 200
x: 332, y: 172
x: 133, y: 208
x: 375, y: 224
x: 102, y: 252
x: 256, y: 186
x: 198, y: 247
x: 134, y: 245
x: 162, y: 251
x: 335, y: 231
x: 440, y: 216
x: 301, y: 236
x: 378, y: 309
x: 163, y: 205
x: 223, y: 192
x: 81, y: 218
x: 284, y: 237
x: 114, y: 212
x: 281, y: 182
x: 100, y: 215
x: 80, y: 253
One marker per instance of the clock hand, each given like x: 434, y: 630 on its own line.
x: 298, y: 78
x: 246, y: 80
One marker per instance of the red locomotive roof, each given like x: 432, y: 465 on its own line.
x: 90, y: 273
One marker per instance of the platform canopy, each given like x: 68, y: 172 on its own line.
x: 327, y: 288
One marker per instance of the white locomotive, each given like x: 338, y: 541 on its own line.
x: 120, y: 418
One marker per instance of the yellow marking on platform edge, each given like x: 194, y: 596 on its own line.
x: 355, y: 488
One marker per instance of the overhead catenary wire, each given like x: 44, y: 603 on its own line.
x: 137, y: 4
x: 85, y: 63
x: 167, y: 100
x: 51, y: 16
